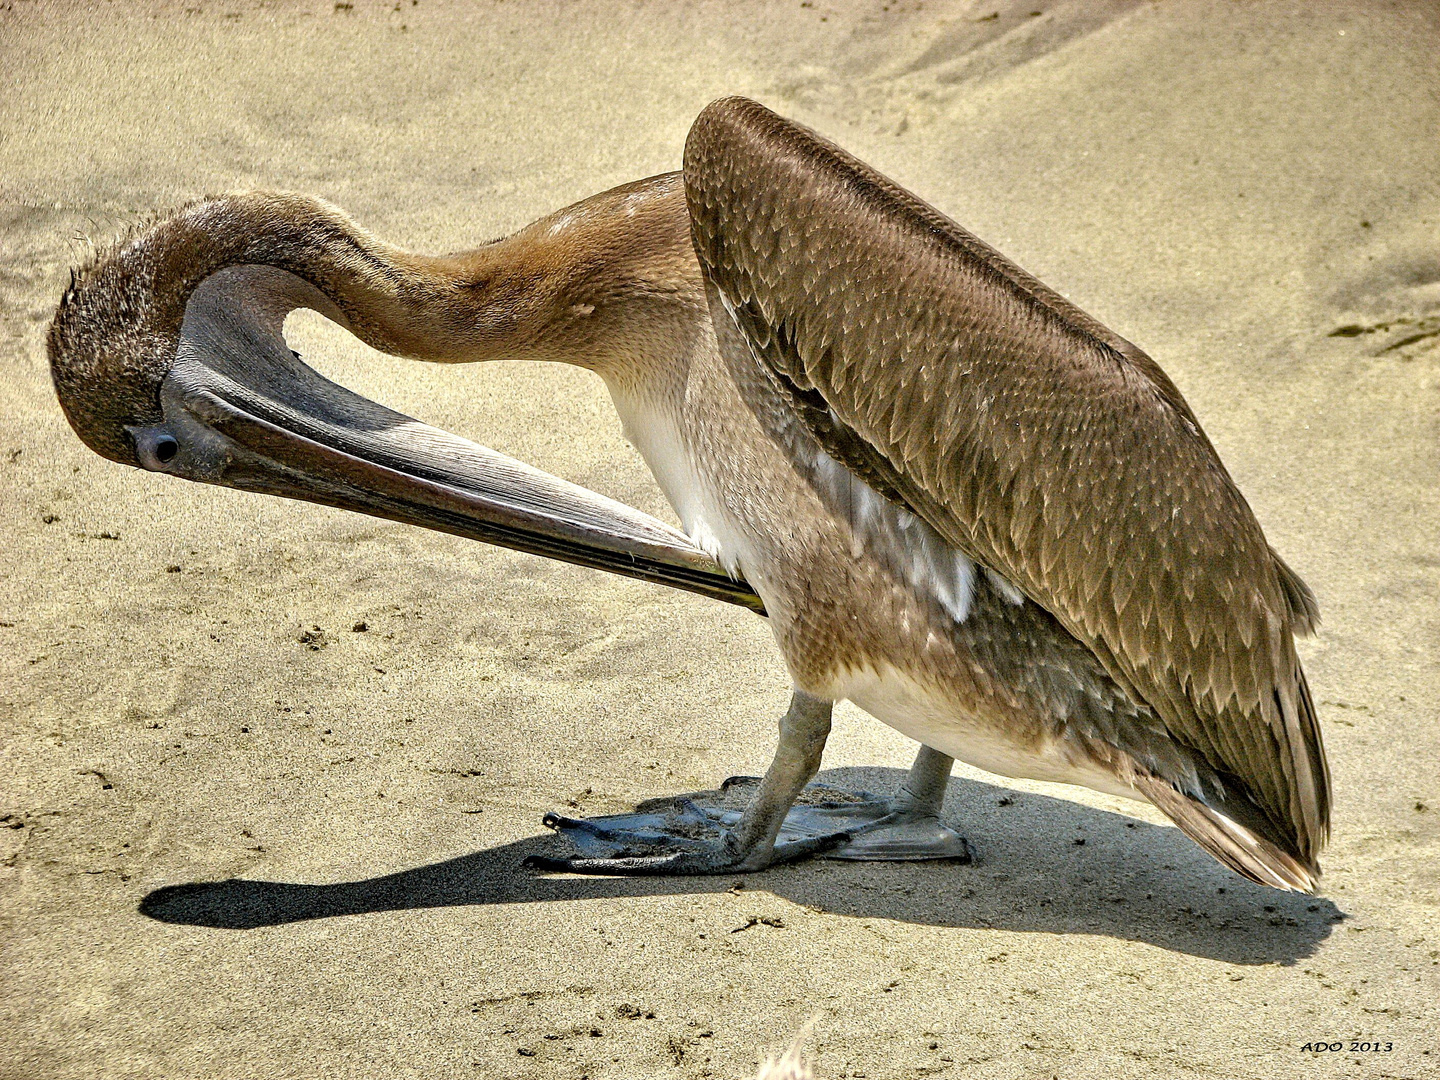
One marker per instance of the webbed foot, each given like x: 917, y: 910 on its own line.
x: 875, y: 828
x: 678, y: 836
x: 785, y: 818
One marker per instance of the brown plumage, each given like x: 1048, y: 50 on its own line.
x: 1036, y: 441
x: 964, y: 504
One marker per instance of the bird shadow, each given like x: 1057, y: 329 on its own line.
x: 1044, y: 865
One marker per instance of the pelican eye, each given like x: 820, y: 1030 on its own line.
x: 155, y: 449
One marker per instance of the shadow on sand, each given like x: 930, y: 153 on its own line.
x: 1044, y: 866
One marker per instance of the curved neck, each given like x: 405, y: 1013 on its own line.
x: 611, y: 284
x: 589, y: 285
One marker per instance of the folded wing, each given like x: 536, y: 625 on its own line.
x: 1032, y: 438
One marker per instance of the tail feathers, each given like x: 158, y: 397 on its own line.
x: 1304, y: 610
x: 1312, y: 757
x: 1242, y: 846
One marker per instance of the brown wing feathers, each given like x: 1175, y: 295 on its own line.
x: 1030, y: 436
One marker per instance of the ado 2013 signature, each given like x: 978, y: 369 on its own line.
x: 1349, y: 1046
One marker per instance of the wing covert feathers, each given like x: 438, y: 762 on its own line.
x: 1037, y: 441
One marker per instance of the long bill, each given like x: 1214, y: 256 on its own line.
x: 241, y: 410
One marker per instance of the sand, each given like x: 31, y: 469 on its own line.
x: 269, y: 769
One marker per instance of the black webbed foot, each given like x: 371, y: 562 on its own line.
x: 680, y: 838
x: 699, y: 834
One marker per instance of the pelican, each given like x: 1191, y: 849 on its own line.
x: 960, y: 502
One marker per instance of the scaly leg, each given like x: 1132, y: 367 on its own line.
x: 687, y: 839
x: 684, y: 836
x: 911, y: 827
x: 905, y: 828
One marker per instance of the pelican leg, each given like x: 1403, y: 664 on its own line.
x: 905, y: 828
x: 682, y: 837
x: 910, y: 828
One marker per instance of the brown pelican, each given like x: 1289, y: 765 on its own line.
x: 962, y: 503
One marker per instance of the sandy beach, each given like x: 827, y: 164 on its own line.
x: 270, y: 769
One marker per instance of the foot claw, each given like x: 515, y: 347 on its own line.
x: 738, y: 781
x: 594, y: 829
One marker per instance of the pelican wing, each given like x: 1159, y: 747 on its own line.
x: 1032, y: 438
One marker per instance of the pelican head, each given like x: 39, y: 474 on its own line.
x: 113, y: 341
